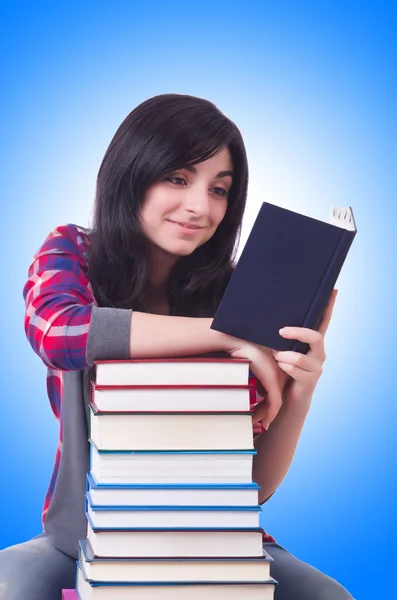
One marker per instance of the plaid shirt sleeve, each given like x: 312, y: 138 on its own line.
x: 59, y: 300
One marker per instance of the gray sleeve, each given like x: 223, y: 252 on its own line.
x: 108, y: 334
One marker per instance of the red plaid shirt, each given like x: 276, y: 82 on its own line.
x: 59, y: 299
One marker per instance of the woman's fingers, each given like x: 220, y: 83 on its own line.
x: 315, y: 339
x: 260, y: 411
x: 296, y: 359
x: 274, y: 400
x: 267, y: 410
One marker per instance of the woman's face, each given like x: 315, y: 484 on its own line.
x: 182, y: 212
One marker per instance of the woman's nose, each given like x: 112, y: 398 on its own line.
x: 197, y: 201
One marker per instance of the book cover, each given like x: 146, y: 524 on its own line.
x: 172, y: 494
x: 177, y: 467
x: 86, y: 551
x: 172, y: 516
x: 151, y: 569
x: 255, y: 590
x: 175, y: 542
x: 93, y: 484
x: 171, y: 431
x: 172, y: 371
x: 166, y: 398
x: 284, y: 277
x: 168, y: 531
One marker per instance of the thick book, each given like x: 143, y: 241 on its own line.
x: 170, y: 569
x: 190, y: 494
x: 69, y: 595
x: 169, y: 517
x: 178, y: 542
x: 177, y: 467
x: 173, y: 371
x: 161, y: 398
x: 285, y: 275
x: 199, y: 590
x: 170, y: 431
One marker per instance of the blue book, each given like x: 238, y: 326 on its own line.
x: 92, y: 484
x: 189, y: 569
x: 174, y: 542
x: 190, y: 494
x: 88, y: 589
x: 285, y: 275
x: 168, y: 516
x: 172, y: 467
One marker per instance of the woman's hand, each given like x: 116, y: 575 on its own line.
x: 304, y: 370
x: 269, y: 376
x: 288, y: 376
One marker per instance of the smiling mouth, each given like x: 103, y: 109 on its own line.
x: 185, y: 225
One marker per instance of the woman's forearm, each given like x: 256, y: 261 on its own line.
x: 153, y: 336
x: 276, y: 448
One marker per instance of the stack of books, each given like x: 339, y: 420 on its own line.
x: 171, y: 507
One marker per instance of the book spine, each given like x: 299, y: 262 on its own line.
x: 323, y: 293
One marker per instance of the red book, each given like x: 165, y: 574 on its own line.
x: 190, y: 371
x: 69, y: 595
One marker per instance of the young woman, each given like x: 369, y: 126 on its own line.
x: 145, y: 281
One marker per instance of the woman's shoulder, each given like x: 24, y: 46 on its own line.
x: 67, y: 238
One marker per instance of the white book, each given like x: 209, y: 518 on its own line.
x: 167, y: 399
x: 160, y: 495
x: 174, y: 591
x: 171, y: 467
x: 172, y: 517
x: 168, y: 569
x: 173, y: 371
x: 174, y: 543
x: 171, y: 431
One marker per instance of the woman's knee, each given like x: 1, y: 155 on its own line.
x: 299, y: 580
x: 34, y: 570
x: 324, y: 588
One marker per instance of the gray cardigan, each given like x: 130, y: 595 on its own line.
x: 65, y: 522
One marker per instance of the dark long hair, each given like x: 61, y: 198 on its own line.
x: 164, y: 133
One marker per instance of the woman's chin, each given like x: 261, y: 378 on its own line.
x: 180, y: 249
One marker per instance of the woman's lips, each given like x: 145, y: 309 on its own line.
x: 185, y: 227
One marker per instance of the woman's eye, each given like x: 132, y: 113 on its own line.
x: 177, y: 180
x: 220, y: 191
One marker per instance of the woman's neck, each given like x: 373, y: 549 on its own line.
x: 160, y: 265
x: 155, y: 300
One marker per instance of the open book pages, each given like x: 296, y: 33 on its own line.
x: 342, y: 217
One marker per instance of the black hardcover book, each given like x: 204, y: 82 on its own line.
x: 285, y: 275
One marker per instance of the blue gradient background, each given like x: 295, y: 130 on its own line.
x: 312, y: 86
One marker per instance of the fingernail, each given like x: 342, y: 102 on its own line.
x: 267, y: 426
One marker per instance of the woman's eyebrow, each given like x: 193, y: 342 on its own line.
x: 193, y: 169
x: 225, y: 174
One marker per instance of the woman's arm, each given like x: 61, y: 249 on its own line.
x: 58, y: 301
x: 276, y: 448
x: 68, y: 332
x: 162, y: 336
